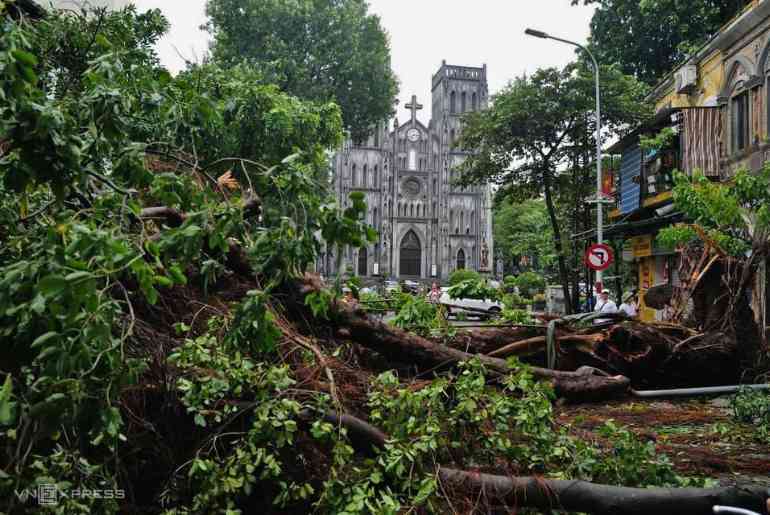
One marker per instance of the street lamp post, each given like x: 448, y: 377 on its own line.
x: 599, y: 196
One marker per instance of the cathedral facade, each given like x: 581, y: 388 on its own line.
x: 428, y: 227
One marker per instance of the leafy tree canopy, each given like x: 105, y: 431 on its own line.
x: 324, y: 50
x: 647, y: 38
x: 536, y: 121
x: 535, y: 124
x: 733, y: 218
x: 523, y: 229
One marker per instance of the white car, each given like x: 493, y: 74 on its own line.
x: 477, y: 307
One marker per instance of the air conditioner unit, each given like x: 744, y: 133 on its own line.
x: 686, y: 78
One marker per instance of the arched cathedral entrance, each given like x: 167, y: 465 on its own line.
x: 410, y: 257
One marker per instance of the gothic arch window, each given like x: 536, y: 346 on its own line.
x: 365, y: 177
x: 354, y: 176
x: 411, y: 210
x: 474, y: 102
x: 377, y: 137
x: 461, y: 259
x: 463, y: 102
x: 435, y: 187
x: 451, y: 138
x: 452, y: 102
x: 362, y: 261
x: 473, y: 223
x: 462, y: 220
x: 412, y: 159
x: 375, y: 177
x: 451, y: 219
x: 739, y: 108
x: 434, y: 210
x: 410, y: 255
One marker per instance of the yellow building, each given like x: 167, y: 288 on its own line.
x: 717, y: 103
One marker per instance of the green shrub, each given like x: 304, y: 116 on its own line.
x: 459, y: 276
x: 530, y: 283
x: 516, y: 316
x: 753, y: 407
x: 513, y: 301
x: 473, y: 289
x: 509, y: 284
x: 419, y: 316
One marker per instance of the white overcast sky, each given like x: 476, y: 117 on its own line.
x: 422, y: 33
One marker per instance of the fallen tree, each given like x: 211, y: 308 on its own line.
x: 574, y: 496
x: 401, y: 346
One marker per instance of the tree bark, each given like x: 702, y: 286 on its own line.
x: 521, y: 348
x: 557, y: 242
x: 538, y: 343
x: 574, y: 495
x: 483, y: 341
x: 585, y: 497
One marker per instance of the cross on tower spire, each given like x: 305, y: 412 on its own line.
x: 414, y: 107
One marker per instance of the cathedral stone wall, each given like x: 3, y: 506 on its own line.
x: 428, y: 227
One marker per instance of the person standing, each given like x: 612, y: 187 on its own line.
x: 605, y: 305
x: 435, y: 293
x: 630, y: 305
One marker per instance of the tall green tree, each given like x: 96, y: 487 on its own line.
x: 523, y: 229
x: 525, y: 140
x: 647, y: 38
x: 319, y: 50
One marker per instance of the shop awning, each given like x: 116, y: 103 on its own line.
x: 635, y: 228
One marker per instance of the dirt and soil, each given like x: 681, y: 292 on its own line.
x: 698, y: 435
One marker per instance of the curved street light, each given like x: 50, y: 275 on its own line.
x: 599, y: 196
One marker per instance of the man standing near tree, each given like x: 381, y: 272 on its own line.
x: 605, y: 305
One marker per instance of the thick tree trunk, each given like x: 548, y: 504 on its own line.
x: 538, y: 343
x: 573, y: 496
x: 483, y: 341
x: 563, y: 274
x: 585, y: 497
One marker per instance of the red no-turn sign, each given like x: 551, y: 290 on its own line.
x: 599, y: 257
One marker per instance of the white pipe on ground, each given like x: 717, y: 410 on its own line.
x: 737, y: 511
x: 707, y: 390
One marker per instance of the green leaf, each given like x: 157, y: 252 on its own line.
x: 76, y: 276
x: 24, y: 57
x: 43, y: 338
x: 52, y: 285
x: 7, y: 407
x: 51, y: 405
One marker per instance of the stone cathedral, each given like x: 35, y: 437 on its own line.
x: 427, y: 226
